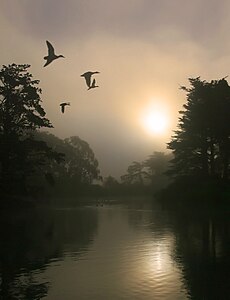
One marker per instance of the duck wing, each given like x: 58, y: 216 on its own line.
x: 88, y: 79
x: 62, y: 107
x: 50, y: 49
x: 87, y: 76
x: 47, y: 62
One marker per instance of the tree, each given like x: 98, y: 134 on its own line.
x: 110, y: 182
x: 111, y: 186
x: 79, y: 165
x: 201, y: 145
x: 135, y: 173
x: 21, y: 114
x: 156, y: 165
x: 54, y: 167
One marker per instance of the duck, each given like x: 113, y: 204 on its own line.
x: 51, y: 55
x: 87, y: 76
x: 63, y: 104
x: 93, y: 85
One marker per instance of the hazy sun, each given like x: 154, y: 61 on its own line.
x: 155, y: 121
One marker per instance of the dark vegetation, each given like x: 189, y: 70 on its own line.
x: 36, y: 166
x: 32, y: 162
x: 147, y: 176
x: 201, y: 146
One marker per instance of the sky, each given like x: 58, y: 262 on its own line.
x: 144, y: 50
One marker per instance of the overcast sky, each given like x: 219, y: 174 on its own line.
x: 144, y: 50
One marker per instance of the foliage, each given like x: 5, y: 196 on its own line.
x: 156, y: 164
x: 21, y: 114
x: 150, y: 172
x: 135, y: 174
x: 20, y: 101
x: 110, y: 182
x: 81, y: 162
x: 201, y: 145
x: 79, y: 167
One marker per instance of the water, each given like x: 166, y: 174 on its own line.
x: 114, y: 252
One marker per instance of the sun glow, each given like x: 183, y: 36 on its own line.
x: 155, y: 120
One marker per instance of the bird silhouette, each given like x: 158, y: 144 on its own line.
x: 87, y: 76
x: 93, y: 85
x: 51, y: 55
x: 63, y: 104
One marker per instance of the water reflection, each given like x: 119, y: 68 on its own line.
x: 123, y: 262
x: 159, y: 275
x: 114, y: 252
x: 31, y: 240
x: 198, y: 243
x: 202, y: 251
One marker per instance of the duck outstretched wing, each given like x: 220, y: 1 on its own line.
x: 50, y: 48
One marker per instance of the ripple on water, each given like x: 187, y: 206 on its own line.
x: 128, y: 256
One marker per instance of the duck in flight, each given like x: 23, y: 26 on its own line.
x: 93, y: 85
x: 63, y: 104
x: 51, y: 55
x: 87, y: 76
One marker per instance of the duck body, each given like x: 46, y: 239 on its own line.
x: 87, y: 76
x: 51, y: 54
x: 63, y: 105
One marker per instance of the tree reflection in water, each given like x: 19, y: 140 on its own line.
x: 148, y: 253
x: 200, y: 246
x: 30, y: 240
x: 202, y: 251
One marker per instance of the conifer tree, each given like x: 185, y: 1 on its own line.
x: 21, y: 114
x: 201, y: 145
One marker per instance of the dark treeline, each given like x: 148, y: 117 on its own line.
x: 31, y: 162
x: 201, y: 145
x: 148, y: 176
x: 21, y: 114
x: 37, y: 164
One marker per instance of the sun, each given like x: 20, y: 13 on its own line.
x: 155, y: 120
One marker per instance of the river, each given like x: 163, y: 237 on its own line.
x: 114, y: 251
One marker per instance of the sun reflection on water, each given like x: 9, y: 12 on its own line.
x: 158, y: 257
x: 151, y: 270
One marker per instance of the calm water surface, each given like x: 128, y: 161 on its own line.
x: 114, y: 252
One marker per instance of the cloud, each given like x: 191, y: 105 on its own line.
x: 81, y: 19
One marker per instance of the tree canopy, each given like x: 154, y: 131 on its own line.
x: 79, y: 165
x: 21, y: 114
x: 150, y: 172
x: 201, y: 145
x: 29, y: 157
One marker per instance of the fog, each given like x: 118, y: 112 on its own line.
x: 144, y: 51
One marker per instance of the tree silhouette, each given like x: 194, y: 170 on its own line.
x: 201, y: 145
x: 110, y: 182
x: 156, y: 164
x: 81, y: 161
x: 21, y: 114
x: 135, y: 174
x: 79, y: 165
